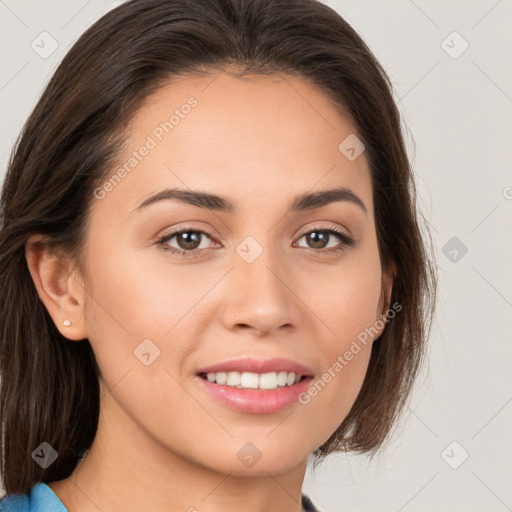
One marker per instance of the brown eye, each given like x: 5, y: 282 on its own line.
x: 319, y: 239
x: 188, y: 241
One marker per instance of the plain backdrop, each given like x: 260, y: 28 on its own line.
x: 449, y: 62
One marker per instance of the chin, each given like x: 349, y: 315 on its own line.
x: 251, y: 461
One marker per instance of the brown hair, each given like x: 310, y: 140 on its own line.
x: 49, y: 387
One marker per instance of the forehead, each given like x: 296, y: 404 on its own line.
x: 257, y: 139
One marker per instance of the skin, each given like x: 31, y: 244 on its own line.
x: 259, y: 142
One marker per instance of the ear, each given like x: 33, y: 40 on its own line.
x: 385, y: 295
x: 60, y: 290
x: 387, y: 287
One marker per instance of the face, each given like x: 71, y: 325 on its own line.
x: 260, y: 280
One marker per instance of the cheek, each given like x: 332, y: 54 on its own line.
x: 143, y: 305
x: 134, y: 296
x: 136, y: 318
x: 348, y: 306
x: 347, y: 300
x: 330, y: 397
x: 131, y: 310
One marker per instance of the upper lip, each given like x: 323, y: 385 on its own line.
x: 276, y: 364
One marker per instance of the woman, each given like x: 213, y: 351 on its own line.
x: 211, y: 262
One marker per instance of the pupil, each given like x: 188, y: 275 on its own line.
x: 188, y: 239
x: 321, y: 236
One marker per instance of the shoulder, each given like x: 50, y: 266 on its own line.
x: 15, y: 503
x: 40, y: 499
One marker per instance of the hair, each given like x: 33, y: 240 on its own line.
x: 69, y: 144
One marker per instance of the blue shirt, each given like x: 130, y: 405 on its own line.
x: 42, y: 499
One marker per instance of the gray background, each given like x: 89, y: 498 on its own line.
x: 457, y: 105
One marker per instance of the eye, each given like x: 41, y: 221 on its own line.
x: 321, y: 237
x: 188, y: 240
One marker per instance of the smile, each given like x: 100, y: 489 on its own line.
x: 250, y: 380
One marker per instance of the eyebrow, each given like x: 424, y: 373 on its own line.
x: 306, y: 201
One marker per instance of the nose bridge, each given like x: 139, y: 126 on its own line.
x: 259, y: 265
x: 259, y: 294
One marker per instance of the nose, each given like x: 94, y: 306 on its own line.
x: 259, y: 296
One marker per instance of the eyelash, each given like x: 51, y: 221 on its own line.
x: 346, y: 240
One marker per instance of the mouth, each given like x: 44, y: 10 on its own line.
x: 252, y: 380
x: 255, y: 386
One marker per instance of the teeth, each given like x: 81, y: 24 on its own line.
x: 233, y: 379
x: 249, y: 380
x: 282, y: 378
x: 222, y: 377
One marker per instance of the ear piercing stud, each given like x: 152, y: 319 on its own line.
x: 67, y: 323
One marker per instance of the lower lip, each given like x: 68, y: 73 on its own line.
x: 257, y: 401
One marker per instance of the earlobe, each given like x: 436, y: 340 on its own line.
x: 56, y: 287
